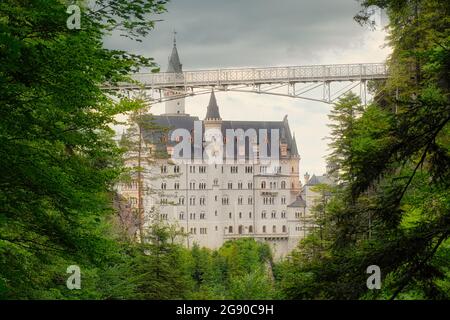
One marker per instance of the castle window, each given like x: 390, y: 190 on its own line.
x: 283, y: 200
x: 240, y: 215
x: 250, y: 215
x: 230, y: 215
x: 230, y: 229
x: 176, y: 169
x: 225, y: 200
x: 263, y: 215
x: 181, y: 216
x: 250, y: 229
x: 239, y: 185
x: 263, y: 185
x: 202, y: 216
x: 230, y: 185
x: 240, y: 200
x: 163, y: 169
x: 163, y: 186
x: 250, y: 185
x: 216, y: 182
x: 284, y: 229
x: 274, y: 229
x: 283, y: 184
x: 264, y: 229
x: 250, y: 200
x: 192, y: 201
x: 203, y: 230
x: 181, y: 200
x: 283, y: 214
x: 176, y: 185
x: 297, y: 215
x: 274, y: 214
x: 240, y: 230
x: 192, y: 216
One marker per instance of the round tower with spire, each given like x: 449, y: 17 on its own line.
x: 175, y: 106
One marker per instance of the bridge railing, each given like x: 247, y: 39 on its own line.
x: 297, y: 74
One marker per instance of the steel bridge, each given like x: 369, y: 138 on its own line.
x: 311, y: 82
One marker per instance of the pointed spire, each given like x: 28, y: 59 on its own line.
x: 294, y: 150
x: 174, y: 60
x: 212, y: 112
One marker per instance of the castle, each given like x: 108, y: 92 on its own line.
x: 216, y: 201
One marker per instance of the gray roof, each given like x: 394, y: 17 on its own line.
x: 315, y: 180
x: 174, y: 61
x: 294, y: 146
x: 298, y: 203
x: 172, y: 122
x: 212, y: 111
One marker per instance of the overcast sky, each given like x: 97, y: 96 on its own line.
x: 223, y: 34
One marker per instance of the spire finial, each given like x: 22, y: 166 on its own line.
x: 174, y: 38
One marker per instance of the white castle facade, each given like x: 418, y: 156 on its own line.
x: 214, y: 202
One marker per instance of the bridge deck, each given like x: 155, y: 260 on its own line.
x: 255, y: 76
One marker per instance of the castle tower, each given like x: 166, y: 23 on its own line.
x: 175, y: 106
x: 213, y: 119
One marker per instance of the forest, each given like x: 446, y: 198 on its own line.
x: 59, y: 164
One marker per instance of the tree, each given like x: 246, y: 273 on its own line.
x: 397, y: 167
x: 58, y: 159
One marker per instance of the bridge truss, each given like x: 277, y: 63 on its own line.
x: 312, y: 82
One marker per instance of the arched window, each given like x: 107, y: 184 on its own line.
x: 230, y: 229
x: 250, y: 229
x: 240, y: 230
x: 264, y: 229
x: 284, y: 229
x: 283, y: 184
x: 263, y: 185
x: 274, y: 229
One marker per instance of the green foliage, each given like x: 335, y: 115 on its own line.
x: 58, y: 159
x: 391, y: 207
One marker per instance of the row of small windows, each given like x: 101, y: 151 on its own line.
x: 273, y: 215
x: 194, y: 230
x: 202, y: 185
x: 233, y: 169
x: 273, y: 185
x: 225, y: 200
x: 250, y: 229
x: 202, y: 216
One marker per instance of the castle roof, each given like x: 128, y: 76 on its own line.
x: 173, y: 122
x: 315, y: 180
x: 174, y: 61
x: 298, y: 203
x: 212, y: 111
